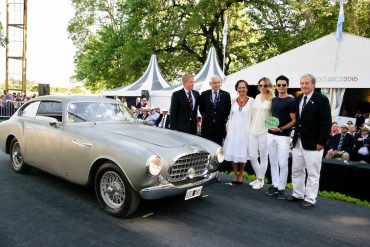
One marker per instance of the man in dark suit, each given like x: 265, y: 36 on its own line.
x: 184, y: 107
x: 164, y: 120
x: 341, y: 145
x: 310, y: 136
x: 214, y: 106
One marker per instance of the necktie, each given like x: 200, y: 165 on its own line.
x: 304, y: 102
x: 215, y: 98
x: 190, y: 100
x: 340, y: 142
x: 162, y: 122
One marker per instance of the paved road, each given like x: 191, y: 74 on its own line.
x: 40, y: 210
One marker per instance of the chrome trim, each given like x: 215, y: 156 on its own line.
x: 182, y: 168
x: 82, y: 143
x: 169, y: 190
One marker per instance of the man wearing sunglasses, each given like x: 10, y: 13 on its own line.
x: 278, y: 139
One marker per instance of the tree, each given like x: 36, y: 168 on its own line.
x: 115, y: 39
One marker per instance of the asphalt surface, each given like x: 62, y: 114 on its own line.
x: 38, y: 209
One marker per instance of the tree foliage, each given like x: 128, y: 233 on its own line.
x: 115, y: 39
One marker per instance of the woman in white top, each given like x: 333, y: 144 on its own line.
x: 258, y: 132
x: 236, y: 142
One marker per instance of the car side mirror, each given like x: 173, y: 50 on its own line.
x: 53, y: 122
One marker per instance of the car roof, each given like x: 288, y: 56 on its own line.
x: 75, y: 98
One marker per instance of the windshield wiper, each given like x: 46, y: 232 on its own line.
x: 81, y: 117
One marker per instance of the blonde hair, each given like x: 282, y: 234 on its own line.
x: 270, y: 91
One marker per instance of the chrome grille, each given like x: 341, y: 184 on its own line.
x: 178, y: 171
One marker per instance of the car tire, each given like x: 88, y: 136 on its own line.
x: 113, y: 191
x: 16, y: 157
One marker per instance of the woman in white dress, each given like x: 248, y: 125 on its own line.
x: 258, y: 132
x: 236, y: 142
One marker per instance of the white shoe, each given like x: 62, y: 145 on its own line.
x: 253, y: 182
x: 258, y: 185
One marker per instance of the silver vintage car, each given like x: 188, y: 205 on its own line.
x: 96, y: 141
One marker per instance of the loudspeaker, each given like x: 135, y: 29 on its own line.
x: 145, y: 94
x: 44, y: 89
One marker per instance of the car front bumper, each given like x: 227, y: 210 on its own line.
x: 169, y: 190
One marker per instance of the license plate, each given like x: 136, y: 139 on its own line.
x: 194, y: 192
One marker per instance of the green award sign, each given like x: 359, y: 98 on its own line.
x: 271, y: 122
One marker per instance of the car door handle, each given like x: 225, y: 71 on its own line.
x: 82, y: 143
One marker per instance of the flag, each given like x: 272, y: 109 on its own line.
x: 224, y: 34
x: 340, y: 21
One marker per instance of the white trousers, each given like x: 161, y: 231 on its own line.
x: 278, y: 152
x: 306, y: 160
x: 257, y: 147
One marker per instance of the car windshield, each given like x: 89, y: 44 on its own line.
x: 98, y: 111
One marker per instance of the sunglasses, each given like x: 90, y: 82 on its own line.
x: 281, y: 85
x: 262, y: 85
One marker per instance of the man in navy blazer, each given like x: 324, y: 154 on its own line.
x: 214, y: 106
x: 310, y: 136
x: 340, y: 145
x: 184, y: 107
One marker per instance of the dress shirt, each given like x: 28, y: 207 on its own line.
x: 192, y: 96
x: 213, y: 95
x: 307, y: 101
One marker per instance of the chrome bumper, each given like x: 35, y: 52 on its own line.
x: 169, y: 190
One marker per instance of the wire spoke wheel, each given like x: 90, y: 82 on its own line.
x: 17, y: 156
x: 112, y: 190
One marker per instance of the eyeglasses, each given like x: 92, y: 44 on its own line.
x: 262, y: 85
x: 281, y: 85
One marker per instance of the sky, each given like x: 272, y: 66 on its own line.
x: 49, y: 51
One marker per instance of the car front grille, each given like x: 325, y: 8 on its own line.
x: 178, y: 171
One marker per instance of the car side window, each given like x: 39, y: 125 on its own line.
x: 30, y: 110
x: 51, y: 109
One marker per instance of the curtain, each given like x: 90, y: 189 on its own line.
x: 335, y: 96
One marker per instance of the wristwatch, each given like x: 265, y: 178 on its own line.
x: 281, y: 129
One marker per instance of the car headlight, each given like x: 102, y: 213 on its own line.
x: 220, y: 155
x: 154, y: 165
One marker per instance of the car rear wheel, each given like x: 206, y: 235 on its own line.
x: 16, y: 157
x: 114, y: 192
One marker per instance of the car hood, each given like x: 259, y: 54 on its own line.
x: 157, y: 136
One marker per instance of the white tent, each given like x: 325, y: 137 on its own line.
x: 336, y: 66
x: 162, y: 98
x: 344, y: 64
x: 152, y: 79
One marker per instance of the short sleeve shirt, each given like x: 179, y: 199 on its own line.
x: 282, y: 108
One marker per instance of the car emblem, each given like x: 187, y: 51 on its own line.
x: 191, y: 173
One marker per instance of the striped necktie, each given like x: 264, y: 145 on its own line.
x: 190, y: 100
x: 340, y: 142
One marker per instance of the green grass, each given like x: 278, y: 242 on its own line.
x: 326, y: 194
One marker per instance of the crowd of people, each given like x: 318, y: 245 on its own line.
x: 10, y: 102
x: 348, y: 142
x: 303, y: 128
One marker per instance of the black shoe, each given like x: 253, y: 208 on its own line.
x: 280, y: 195
x: 306, y: 205
x: 293, y: 199
x: 271, y: 191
